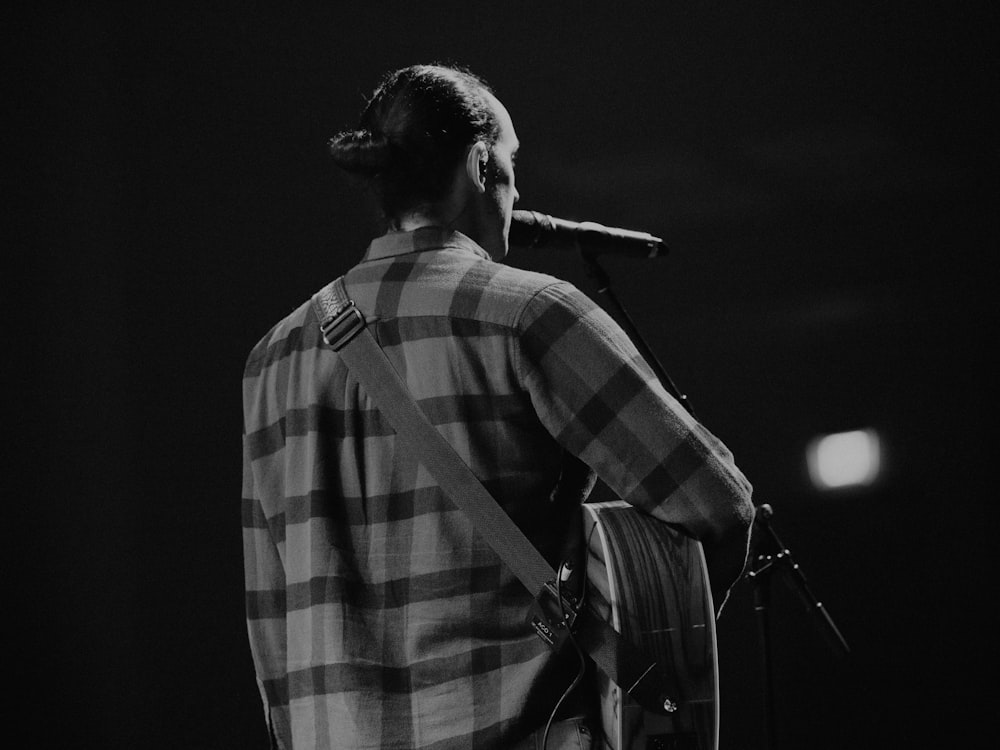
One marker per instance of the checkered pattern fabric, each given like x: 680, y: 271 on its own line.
x: 377, y: 617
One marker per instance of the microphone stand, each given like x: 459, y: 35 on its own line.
x: 767, y: 553
x: 600, y: 276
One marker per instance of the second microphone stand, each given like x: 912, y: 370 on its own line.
x: 769, y: 556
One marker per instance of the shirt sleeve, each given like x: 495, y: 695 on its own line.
x: 265, y: 606
x: 600, y: 399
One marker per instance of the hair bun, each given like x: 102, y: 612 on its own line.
x: 361, y: 151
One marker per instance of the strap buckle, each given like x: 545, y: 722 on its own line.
x: 339, y: 329
x: 552, y: 620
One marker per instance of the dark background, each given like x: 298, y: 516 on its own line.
x: 824, y: 175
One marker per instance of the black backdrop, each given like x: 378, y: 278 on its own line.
x: 824, y: 176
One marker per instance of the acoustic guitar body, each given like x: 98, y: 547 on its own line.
x: 649, y: 580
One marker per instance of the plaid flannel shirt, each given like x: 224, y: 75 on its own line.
x: 377, y: 617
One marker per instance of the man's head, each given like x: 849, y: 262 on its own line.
x: 437, y: 147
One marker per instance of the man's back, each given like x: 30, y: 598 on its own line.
x: 407, y: 629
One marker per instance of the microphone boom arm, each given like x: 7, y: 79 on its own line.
x: 603, y: 282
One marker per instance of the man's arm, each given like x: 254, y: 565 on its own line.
x: 265, y: 606
x: 603, y: 403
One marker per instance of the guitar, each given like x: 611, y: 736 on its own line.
x: 649, y: 580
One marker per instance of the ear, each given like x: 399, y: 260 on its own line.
x: 475, y: 165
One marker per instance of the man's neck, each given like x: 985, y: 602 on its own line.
x: 447, y: 217
x: 412, y: 222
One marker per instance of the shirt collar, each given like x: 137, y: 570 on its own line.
x: 419, y: 241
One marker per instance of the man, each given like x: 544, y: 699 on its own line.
x: 378, y: 618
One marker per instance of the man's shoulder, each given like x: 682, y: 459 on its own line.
x: 283, y: 337
x: 519, y: 283
x: 509, y: 291
x: 538, y: 293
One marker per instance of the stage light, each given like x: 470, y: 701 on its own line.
x: 844, y: 459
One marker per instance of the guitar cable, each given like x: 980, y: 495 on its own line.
x: 564, y: 568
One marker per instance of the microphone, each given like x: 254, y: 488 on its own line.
x: 530, y: 229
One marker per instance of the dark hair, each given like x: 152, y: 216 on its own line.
x: 413, y: 132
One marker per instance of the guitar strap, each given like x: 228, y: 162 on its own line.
x: 344, y: 330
